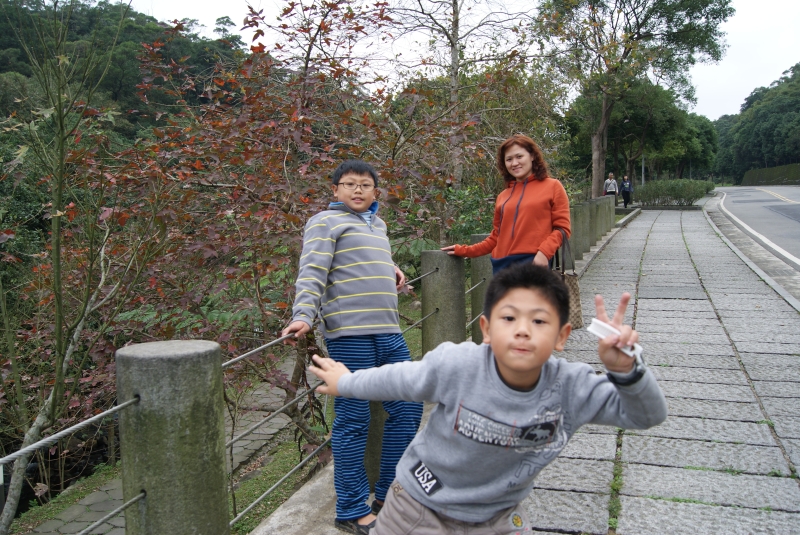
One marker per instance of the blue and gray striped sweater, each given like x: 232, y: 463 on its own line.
x: 346, y: 274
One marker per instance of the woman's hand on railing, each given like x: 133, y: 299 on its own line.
x: 298, y: 327
x: 450, y: 249
x: 329, y: 371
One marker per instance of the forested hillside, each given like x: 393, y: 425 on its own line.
x: 766, y: 133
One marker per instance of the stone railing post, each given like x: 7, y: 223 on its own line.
x: 481, y: 269
x: 443, y: 290
x: 173, y: 441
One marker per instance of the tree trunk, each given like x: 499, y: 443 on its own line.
x: 33, y: 434
x: 455, y: 66
x: 599, y: 147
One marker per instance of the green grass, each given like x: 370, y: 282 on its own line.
x: 40, y: 514
x: 614, y: 504
x: 681, y: 500
x: 281, y: 458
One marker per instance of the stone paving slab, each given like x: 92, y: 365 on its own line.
x: 698, y: 338
x: 674, y: 373
x: 719, y: 410
x: 641, y: 516
x: 738, y: 393
x: 577, y: 475
x: 773, y: 373
x: 781, y: 406
x: 690, y: 348
x: 718, y: 456
x: 711, y: 430
x: 676, y: 321
x: 778, y: 389
x: 726, y: 362
x: 741, y: 335
x: 674, y: 305
x: 793, y: 450
x: 787, y: 426
x: 780, y: 349
x: 721, y: 488
x: 591, y: 446
x: 568, y: 511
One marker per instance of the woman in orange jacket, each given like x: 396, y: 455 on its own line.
x: 527, y: 214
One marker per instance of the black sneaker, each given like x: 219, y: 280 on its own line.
x: 352, y: 526
x: 376, y: 507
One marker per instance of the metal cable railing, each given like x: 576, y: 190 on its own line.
x: 473, y: 320
x: 481, y: 282
x: 113, y: 513
x: 52, y: 439
x: 422, y: 276
x: 252, y: 428
x: 420, y: 321
x: 256, y: 350
x: 276, y: 485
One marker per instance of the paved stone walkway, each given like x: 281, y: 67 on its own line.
x: 726, y: 350
x: 95, y: 506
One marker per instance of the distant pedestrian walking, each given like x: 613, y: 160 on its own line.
x: 627, y: 190
x: 610, y: 187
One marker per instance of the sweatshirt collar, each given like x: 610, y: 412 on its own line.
x: 337, y: 205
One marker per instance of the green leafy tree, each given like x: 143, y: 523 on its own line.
x: 605, y: 45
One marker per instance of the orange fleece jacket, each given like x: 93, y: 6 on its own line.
x: 543, y: 208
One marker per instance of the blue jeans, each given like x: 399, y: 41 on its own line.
x: 499, y: 264
x: 350, y: 427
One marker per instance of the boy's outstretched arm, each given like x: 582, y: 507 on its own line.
x: 608, y: 348
x: 329, y: 371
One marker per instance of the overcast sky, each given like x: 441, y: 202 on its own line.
x: 763, y: 39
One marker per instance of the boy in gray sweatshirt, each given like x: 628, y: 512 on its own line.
x: 506, y: 408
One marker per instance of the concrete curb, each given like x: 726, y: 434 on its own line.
x: 758, y: 238
x: 689, y: 208
x: 622, y: 223
x: 780, y: 290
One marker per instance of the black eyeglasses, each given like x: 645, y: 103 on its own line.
x: 353, y: 185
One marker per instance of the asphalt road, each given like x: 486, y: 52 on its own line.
x: 771, y: 212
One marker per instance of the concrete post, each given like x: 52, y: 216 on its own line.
x: 481, y: 269
x: 575, y: 214
x: 443, y: 290
x: 372, y: 455
x: 594, y: 206
x: 172, y: 442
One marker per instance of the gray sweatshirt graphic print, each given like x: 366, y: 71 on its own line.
x: 485, y: 442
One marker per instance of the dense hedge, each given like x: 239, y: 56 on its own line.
x: 672, y: 192
x: 785, y: 175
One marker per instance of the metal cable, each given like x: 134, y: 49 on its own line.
x: 276, y: 485
x: 52, y: 439
x: 473, y: 320
x: 113, y: 513
x: 422, y: 276
x: 297, y: 398
x: 256, y: 350
x: 420, y: 321
x: 482, y: 281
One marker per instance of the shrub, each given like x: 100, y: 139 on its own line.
x: 672, y: 192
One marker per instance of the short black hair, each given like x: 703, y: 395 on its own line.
x: 532, y: 277
x: 358, y: 167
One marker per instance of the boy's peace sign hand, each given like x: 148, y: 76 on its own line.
x: 614, y: 359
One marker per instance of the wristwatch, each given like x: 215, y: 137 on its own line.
x: 632, y: 377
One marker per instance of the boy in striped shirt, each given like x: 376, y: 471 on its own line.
x: 347, y: 278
